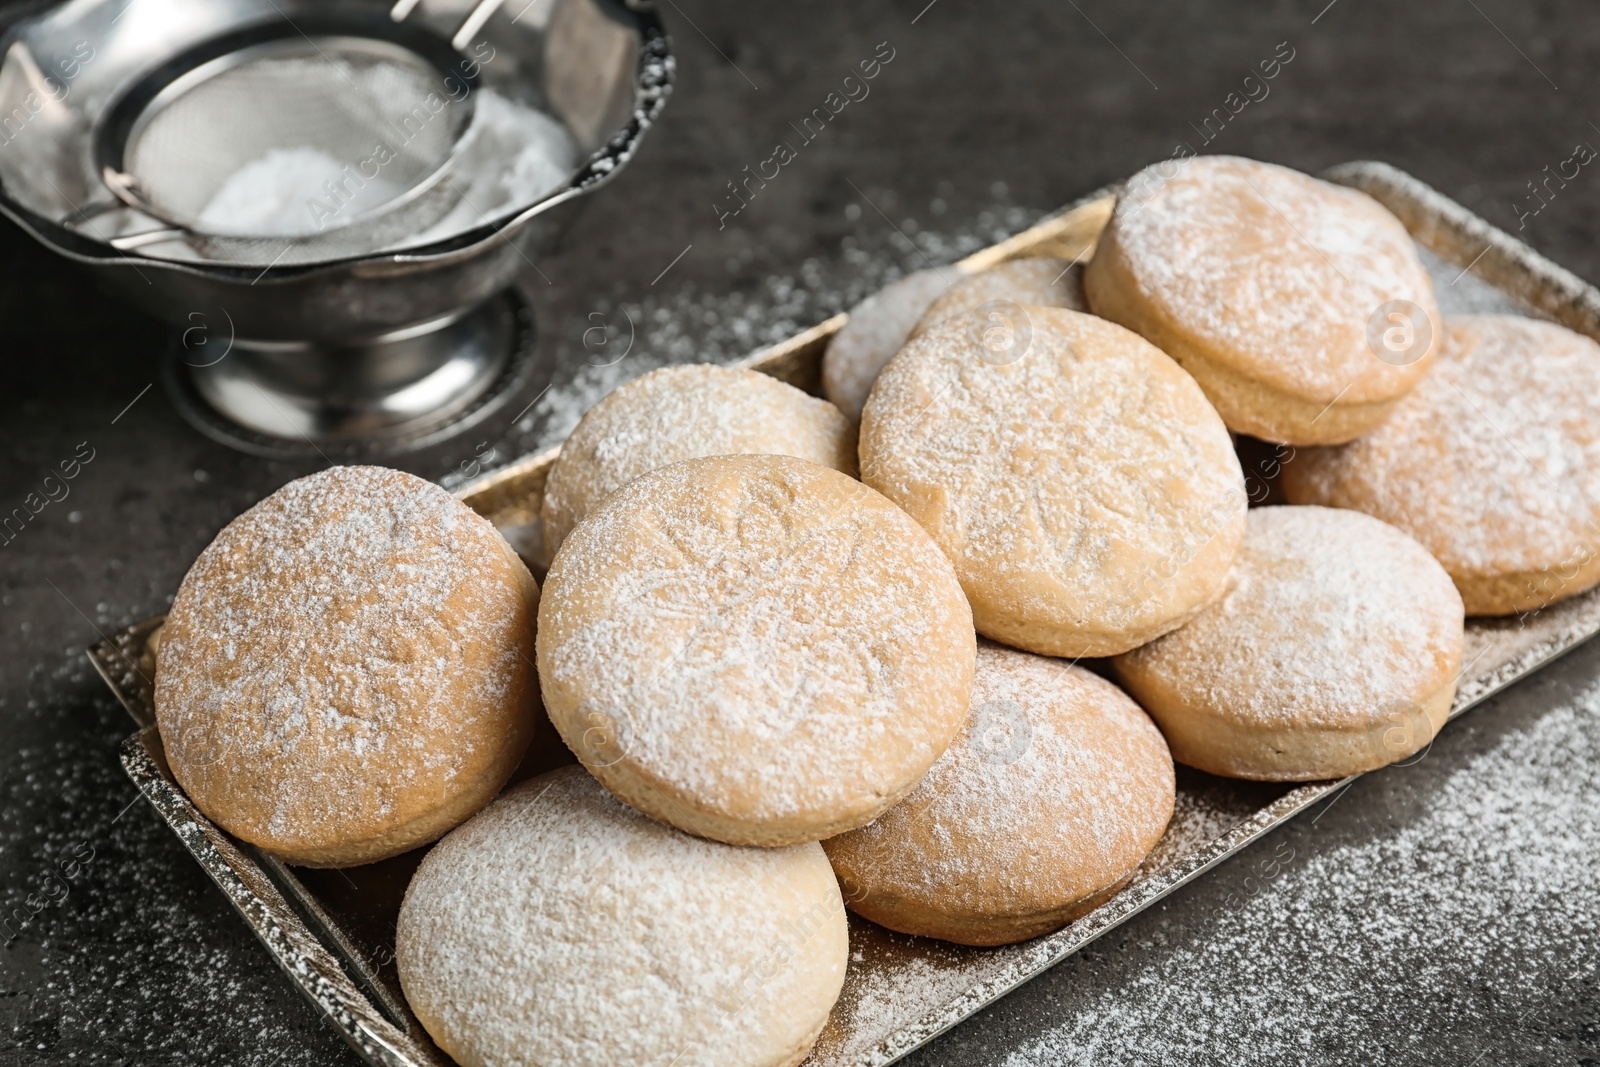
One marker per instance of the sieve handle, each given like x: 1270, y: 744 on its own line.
x: 402, y: 10
x: 469, y: 29
x: 475, y: 21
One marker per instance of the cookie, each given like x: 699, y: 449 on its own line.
x: 1085, y: 490
x: 876, y: 330
x: 1299, y: 306
x: 1492, y: 463
x: 559, y: 926
x: 1042, y: 809
x: 686, y: 412
x: 1335, y: 651
x: 1042, y: 281
x: 756, y: 649
x: 346, y: 672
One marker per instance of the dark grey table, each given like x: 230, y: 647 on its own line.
x: 1442, y: 913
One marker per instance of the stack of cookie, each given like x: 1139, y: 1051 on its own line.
x: 817, y: 655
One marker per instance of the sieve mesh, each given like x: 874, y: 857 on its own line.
x: 337, y: 140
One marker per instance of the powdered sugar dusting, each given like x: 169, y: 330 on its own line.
x: 1330, y: 619
x: 1492, y: 462
x: 687, y: 412
x: 770, y: 637
x: 356, y: 641
x: 1278, y: 270
x: 1057, y: 789
x: 1070, y: 481
x: 1044, y: 281
x: 877, y: 329
x: 560, y: 926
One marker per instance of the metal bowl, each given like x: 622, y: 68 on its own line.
x: 309, y: 338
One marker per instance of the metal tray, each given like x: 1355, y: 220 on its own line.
x: 332, y: 931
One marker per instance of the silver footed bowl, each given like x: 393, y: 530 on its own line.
x: 131, y: 132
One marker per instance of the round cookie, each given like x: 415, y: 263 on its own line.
x: 1042, y: 810
x: 876, y: 330
x: 755, y: 649
x: 346, y: 671
x: 1042, y: 281
x: 1493, y: 463
x: 686, y: 412
x: 1299, y: 306
x: 560, y: 927
x: 1335, y: 651
x: 1086, y: 492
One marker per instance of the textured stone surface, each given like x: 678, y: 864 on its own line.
x: 987, y: 116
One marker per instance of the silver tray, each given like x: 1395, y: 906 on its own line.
x: 332, y: 931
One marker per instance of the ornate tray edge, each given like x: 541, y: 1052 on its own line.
x: 307, y: 962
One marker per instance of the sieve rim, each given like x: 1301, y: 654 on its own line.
x: 139, y: 102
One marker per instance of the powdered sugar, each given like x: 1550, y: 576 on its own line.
x: 687, y: 412
x: 1331, y: 618
x: 512, y: 156
x: 770, y: 637
x: 267, y: 196
x: 1277, y: 270
x: 1492, y: 462
x: 356, y: 640
x: 560, y: 927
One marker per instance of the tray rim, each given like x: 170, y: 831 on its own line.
x: 313, y: 969
x: 245, y: 880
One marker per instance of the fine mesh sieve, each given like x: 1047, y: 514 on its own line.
x: 323, y: 146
